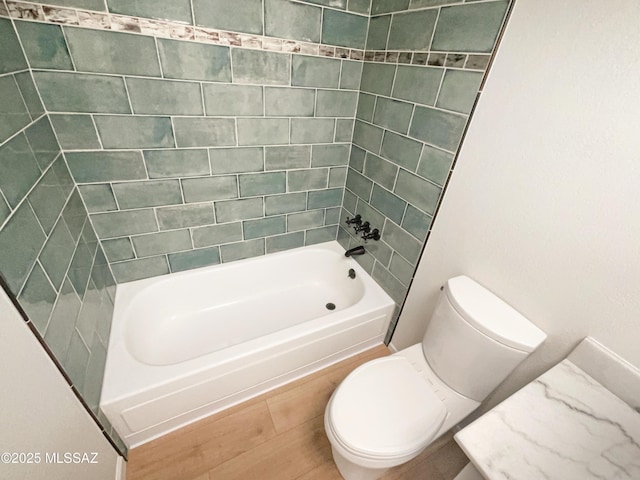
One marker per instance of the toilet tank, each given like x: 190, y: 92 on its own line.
x: 475, y: 339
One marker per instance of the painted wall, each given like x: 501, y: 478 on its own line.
x: 543, y: 206
x: 58, y: 425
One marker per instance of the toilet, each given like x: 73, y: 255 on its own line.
x: 387, y: 411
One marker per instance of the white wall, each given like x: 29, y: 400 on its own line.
x: 40, y: 414
x: 544, y: 204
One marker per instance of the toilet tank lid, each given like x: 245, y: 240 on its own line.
x: 492, y: 315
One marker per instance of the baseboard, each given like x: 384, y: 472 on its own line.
x: 121, y: 469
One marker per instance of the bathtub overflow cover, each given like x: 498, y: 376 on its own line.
x: 330, y: 306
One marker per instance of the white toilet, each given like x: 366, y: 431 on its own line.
x: 387, y: 411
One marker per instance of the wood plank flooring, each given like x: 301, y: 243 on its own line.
x: 276, y: 436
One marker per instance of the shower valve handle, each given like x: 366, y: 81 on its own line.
x: 365, y: 227
x: 357, y: 220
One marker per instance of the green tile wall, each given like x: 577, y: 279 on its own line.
x: 50, y: 258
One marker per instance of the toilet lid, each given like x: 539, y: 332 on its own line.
x: 385, y: 409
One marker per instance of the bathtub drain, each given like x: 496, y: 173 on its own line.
x: 330, y: 306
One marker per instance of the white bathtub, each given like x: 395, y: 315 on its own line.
x: 190, y: 344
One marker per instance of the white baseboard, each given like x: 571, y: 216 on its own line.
x: 121, y: 469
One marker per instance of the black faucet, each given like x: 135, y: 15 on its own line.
x: 359, y: 250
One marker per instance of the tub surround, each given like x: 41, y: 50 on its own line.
x: 564, y: 421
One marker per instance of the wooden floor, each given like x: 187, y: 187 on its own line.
x: 277, y: 436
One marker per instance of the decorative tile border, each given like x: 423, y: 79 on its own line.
x: 163, y: 29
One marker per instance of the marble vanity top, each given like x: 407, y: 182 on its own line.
x: 564, y: 425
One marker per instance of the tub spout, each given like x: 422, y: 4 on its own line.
x: 359, y: 250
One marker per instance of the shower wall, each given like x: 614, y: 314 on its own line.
x: 424, y: 65
x: 190, y: 153
x: 50, y: 258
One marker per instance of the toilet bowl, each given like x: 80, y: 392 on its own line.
x: 387, y: 411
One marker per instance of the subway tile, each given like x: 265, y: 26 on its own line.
x: 85, y: 4
x: 366, y: 106
x: 418, y: 192
x: 381, y: 171
x: 286, y: 19
x: 321, y: 235
x: 75, y: 215
x: 260, y: 67
x: 264, y: 227
x: 245, y: 15
x: 241, y: 250
x: 217, y: 234
x: 331, y: 197
x: 350, y: 75
x: 435, y: 164
x: 176, y: 163
x: 106, y: 166
x: 360, y: 6
x: 367, y: 136
x: 112, y: 52
x: 29, y: 94
x: 76, y: 92
x: 210, y: 188
x: 138, y: 269
x: 281, y: 158
x: 330, y: 155
x: 459, y: 90
x: 417, y: 223
x: 305, y: 220
x: 234, y: 100
x: 164, y: 242
x: 341, y: 4
x: 401, y: 150
x: 18, y: 169
x: 80, y: 268
x: 380, y: 251
x: 62, y: 322
x: 92, y: 384
x: 164, y: 97
x: 349, y: 201
x: 438, y: 128
x: 402, y: 242
x: 344, y: 29
x: 242, y: 209
x: 377, y: 78
x: 452, y: 32
x: 359, y: 184
x: 344, y: 130
x: 12, y: 58
x: 289, y: 102
x: 337, y: 177
x: 134, y: 132
x: 388, y: 203
x: 412, y: 30
x: 252, y: 184
x: 118, y: 224
x: 76, y: 360
x: 312, y: 130
x: 118, y: 249
x: 378, y: 32
x: 287, y: 203
x: 417, y: 84
x: 172, y: 10
x: 236, y: 160
x: 5, y: 210
x: 194, y: 61
x: 183, y: 216
x: 386, y: 6
x: 75, y: 132
x: 393, y: 114
x: 204, y: 132
x: 389, y: 283
x: 263, y: 131
x: 279, y: 243
x: 315, y: 72
x: 44, y: 45
x: 37, y: 298
x: 48, y: 199
x: 14, y: 115
x: 334, y: 103
x: 308, y: 179
x: 202, y: 257
x: 332, y: 216
x: 43, y: 142
x: 150, y: 193
x: 414, y: 4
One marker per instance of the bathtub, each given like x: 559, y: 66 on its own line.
x: 190, y: 344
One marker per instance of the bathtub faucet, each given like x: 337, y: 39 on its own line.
x: 359, y: 250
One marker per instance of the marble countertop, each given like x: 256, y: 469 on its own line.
x: 564, y: 425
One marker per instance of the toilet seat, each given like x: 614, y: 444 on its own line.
x: 384, y: 410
